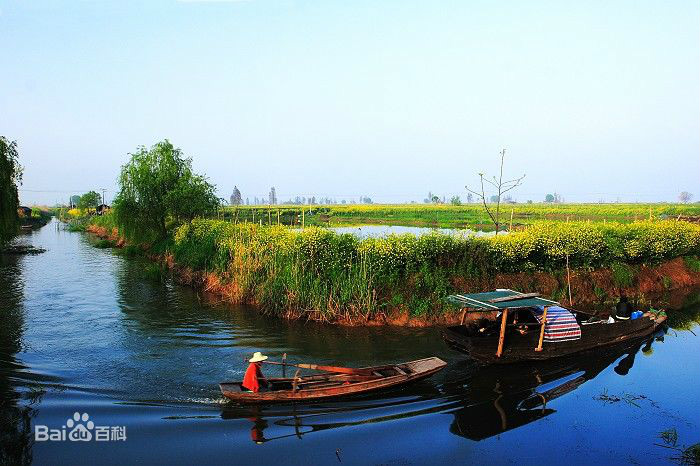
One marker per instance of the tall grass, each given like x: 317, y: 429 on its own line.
x: 290, y: 271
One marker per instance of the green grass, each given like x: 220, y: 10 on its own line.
x: 623, y: 275
x: 338, y: 275
x: 693, y: 263
x: 295, y: 272
x: 77, y: 224
x: 449, y: 216
x: 102, y: 243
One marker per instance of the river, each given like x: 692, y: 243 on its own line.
x: 89, y: 331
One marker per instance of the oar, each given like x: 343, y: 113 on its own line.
x: 339, y: 370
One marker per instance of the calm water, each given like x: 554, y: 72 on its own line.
x: 365, y: 231
x: 86, y: 330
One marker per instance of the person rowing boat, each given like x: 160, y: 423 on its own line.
x: 254, y: 379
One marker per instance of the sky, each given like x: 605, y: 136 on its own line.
x: 595, y: 100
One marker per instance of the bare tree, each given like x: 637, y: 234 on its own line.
x: 501, y: 186
x: 685, y: 196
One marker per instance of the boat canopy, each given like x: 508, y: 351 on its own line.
x: 498, y: 299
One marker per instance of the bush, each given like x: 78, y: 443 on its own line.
x: 623, y: 274
x: 693, y: 263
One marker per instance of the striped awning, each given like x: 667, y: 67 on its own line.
x: 561, y: 324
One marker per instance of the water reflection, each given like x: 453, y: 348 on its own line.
x: 498, y: 400
x: 374, y: 231
x: 15, y: 419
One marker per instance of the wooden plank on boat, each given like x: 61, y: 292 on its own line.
x: 544, y: 323
x: 317, y: 367
x: 502, y: 334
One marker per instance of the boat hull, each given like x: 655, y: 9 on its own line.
x: 522, y: 347
x: 320, y: 387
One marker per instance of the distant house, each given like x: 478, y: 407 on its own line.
x: 102, y: 209
x: 24, y: 212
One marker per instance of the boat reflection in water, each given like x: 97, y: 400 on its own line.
x: 485, y: 401
x: 499, y: 400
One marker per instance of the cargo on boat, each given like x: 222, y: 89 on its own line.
x: 334, y: 385
x: 528, y: 327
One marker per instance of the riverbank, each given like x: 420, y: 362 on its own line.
x: 317, y: 274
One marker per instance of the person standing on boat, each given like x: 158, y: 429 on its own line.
x: 623, y: 310
x: 254, y: 378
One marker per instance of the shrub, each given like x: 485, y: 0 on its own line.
x: 622, y: 274
x: 693, y: 263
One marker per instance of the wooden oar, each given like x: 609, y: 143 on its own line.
x: 339, y: 370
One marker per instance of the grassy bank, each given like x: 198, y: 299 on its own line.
x: 451, y: 216
x: 291, y: 272
x: 39, y: 217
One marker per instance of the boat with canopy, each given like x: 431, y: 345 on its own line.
x: 509, y: 326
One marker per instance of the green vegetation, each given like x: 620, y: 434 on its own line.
x: 667, y: 282
x: 623, y: 274
x: 89, y: 200
x: 10, y: 177
x: 162, y: 205
x: 158, y: 186
x: 102, y: 243
x: 336, y: 275
x: 693, y: 263
x: 453, y: 215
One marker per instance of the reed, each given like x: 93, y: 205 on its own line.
x: 293, y: 272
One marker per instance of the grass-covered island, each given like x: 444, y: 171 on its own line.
x: 317, y: 273
x: 171, y: 214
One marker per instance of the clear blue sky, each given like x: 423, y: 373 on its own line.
x: 592, y: 99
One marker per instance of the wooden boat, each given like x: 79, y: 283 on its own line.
x: 519, y: 330
x: 334, y: 385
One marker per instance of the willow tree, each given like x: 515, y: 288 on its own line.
x: 10, y: 178
x: 157, y: 188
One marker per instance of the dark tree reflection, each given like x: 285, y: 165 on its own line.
x: 15, y: 418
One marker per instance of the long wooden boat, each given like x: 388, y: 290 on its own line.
x: 518, y: 332
x: 323, y: 386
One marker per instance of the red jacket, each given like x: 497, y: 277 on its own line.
x: 252, y: 377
